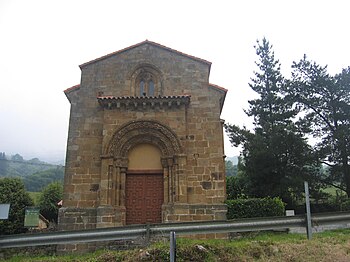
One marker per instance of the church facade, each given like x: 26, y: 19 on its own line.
x: 145, y: 141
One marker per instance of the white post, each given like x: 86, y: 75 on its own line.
x: 308, y: 211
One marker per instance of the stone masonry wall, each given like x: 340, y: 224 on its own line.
x: 197, y: 127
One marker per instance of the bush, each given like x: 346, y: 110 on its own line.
x: 255, y: 207
x: 12, y: 192
x: 48, y: 200
x: 345, y: 206
x: 235, y: 187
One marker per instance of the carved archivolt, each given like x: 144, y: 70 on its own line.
x: 144, y: 131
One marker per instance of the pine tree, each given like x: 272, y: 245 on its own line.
x: 276, y: 155
x: 325, y: 101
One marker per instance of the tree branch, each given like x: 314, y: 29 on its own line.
x: 320, y: 115
x: 334, y: 185
x: 328, y: 164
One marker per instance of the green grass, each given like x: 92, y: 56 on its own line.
x: 333, y: 191
x: 326, y: 246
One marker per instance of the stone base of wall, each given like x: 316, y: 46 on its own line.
x: 108, y: 216
x: 196, y: 212
x: 76, y: 219
x: 73, y: 218
x: 193, y: 212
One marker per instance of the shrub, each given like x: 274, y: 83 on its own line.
x: 255, y: 207
x: 12, y: 191
x: 48, y: 200
x: 345, y: 206
x: 235, y: 187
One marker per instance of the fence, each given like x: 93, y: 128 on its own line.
x: 341, y: 219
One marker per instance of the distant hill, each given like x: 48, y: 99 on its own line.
x: 16, y: 166
x: 233, y: 159
x: 35, y: 174
x: 37, y: 181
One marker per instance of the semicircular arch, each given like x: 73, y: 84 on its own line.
x: 141, y: 132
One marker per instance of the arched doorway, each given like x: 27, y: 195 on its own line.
x: 144, y: 187
x: 141, y: 155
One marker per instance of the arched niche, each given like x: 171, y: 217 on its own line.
x: 148, y: 78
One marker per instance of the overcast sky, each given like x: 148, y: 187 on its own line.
x: 43, y: 42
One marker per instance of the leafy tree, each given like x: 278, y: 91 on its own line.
x: 230, y: 169
x: 276, y: 155
x: 12, y: 191
x: 237, y: 185
x: 48, y: 200
x: 325, y: 101
x: 3, y: 164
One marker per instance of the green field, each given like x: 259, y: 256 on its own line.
x: 327, y: 246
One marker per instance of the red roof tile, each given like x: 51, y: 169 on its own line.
x: 142, y: 43
x: 218, y: 87
x: 138, y: 97
x: 71, y: 88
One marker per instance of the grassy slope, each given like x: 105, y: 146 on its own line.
x: 327, y: 246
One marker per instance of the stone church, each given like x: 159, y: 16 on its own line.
x: 145, y: 141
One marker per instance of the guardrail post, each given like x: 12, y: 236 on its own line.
x: 148, y: 233
x: 172, y: 246
x: 308, y: 211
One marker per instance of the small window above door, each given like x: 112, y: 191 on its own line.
x: 146, y: 81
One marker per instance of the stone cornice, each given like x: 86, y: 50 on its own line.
x: 143, y: 103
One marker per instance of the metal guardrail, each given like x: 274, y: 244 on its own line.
x: 137, y: 231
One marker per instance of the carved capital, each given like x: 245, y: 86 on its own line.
x: 170, y: 161
x: 164, y: 162
x: 121, y: 162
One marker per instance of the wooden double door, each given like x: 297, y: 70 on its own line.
x: 144, y: 198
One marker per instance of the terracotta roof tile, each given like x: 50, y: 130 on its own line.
x: 139, y: 97
x: 218, y: 87
x: 137, y: 103
x: 71, y: 88
x: 142, y: 43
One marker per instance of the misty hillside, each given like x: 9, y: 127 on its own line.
x: 35, y: 174
x: 16, y: 166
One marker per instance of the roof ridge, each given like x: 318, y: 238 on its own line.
x: 142, y: 43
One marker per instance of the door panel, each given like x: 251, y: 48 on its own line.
x: 144, y: 198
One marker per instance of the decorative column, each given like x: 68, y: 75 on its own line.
x: 105, y: 214
x: 179, y: 167
x: 166, y: 181
x: 172, y: 180
x: 105, y: 183
x: 121, y: 167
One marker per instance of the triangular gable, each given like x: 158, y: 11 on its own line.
x: 144, y: 43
